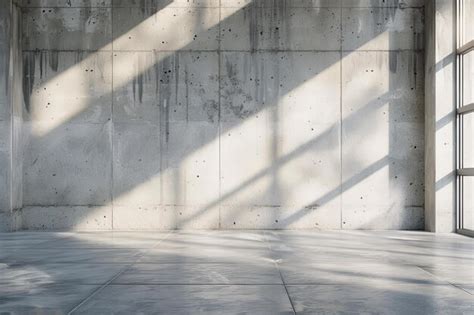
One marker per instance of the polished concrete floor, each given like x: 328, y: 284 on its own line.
x: 228, y: 272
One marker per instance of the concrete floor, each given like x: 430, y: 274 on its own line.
x: 229, y: 272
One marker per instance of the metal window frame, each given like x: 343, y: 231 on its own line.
x: 467, y: 171
x: 465, y: 48
x: 466, y: 109
x: 461, y: 110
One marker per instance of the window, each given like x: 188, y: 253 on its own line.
x: 465, y: 116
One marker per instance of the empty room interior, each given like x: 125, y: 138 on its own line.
x: 236, y: 156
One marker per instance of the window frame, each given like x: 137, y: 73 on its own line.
x: 461, y: 110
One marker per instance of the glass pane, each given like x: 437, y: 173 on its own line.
x: 468, y: 202
x: 468, y: 140
x: 468, y: 78
x: 468, y: 21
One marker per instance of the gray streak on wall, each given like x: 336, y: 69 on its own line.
x: 10, y: 117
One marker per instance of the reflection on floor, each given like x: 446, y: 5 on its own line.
x: 227, y: 272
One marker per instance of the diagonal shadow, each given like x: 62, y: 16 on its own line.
x: 281, y: 161
x: 270, y: 96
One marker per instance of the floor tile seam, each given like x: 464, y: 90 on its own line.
x: 280, y: 273
x: 195, y: 284
x: 331, y: 261
x: 97, y: 248
x: 352, y: 284
x: 134, y: 262
x: 349, y: 284
x: 427, y: 272
x: 142, y: 252
x: 458, y: 286
x: 45, y: 262
x: 55, y: 284
x: 192, y: 263
x: 118, y: 274
x: 96, y: 291
x: 155, y: 245
x: 445, y: 281
x: 229, y: 264
x: 371, y: 282
x: 242, y: 284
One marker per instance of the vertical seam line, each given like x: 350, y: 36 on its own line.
x: 112, y: 128
x: 219, y: 106
x: 10, y: 97
x: 279, y: 272
x: 340, y: 118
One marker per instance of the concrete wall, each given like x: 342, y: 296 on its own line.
x: 5, y: 115
x: 223, y: 114
x: 10, y: 117
x: 440, y: 116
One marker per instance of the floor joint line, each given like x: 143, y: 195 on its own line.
x: 107, y: 283
x: 279, y: 272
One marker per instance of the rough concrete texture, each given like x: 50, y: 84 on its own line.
x: 381, y: 100
x: 182, y: 114
x: 5, y: 107
x: 10, y: 117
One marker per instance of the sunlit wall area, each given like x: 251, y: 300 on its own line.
x: 209, y: 114
x: 382, y: 118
